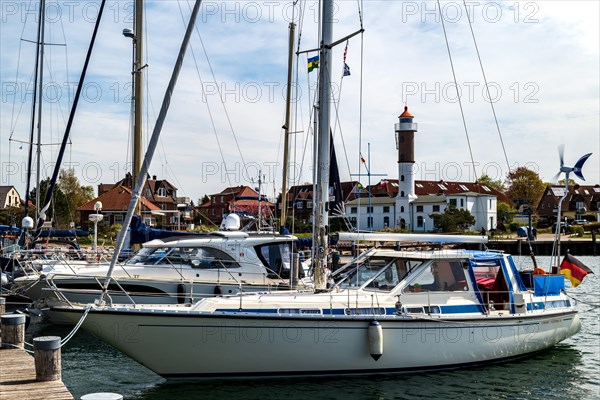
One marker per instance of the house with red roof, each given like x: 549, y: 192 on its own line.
x: 237, y: 199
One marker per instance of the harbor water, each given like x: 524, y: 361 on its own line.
x: 570, y: 370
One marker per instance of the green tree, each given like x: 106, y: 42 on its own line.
x: 73, y: 195
x: 203, y: 200
x: 488, y: 181
x: 525, y: 184
x: 68, y: 196
x: 505, y: 212
x: 453, y: 219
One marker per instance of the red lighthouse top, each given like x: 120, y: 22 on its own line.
x: 406, y: 113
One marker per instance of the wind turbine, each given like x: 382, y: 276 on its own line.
x: 577, y: 170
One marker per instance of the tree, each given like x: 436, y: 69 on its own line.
x: 525, y: 184
x: 204, y: 199
x: 489, y: 182
x: 68, y: 196
x: 453, y: 219
x: 505, y: 212
x: 562, y: 182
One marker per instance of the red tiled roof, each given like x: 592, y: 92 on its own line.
x: 117, y: 199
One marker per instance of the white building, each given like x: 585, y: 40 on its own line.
x: 409, y: 203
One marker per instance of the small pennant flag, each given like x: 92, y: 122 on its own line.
x: 574, y: 270
x: 313, y: 62
x: 346, y: 70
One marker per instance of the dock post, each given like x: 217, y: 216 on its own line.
x: 13, y: 331
x: 2, y: 305
x: 46, y: 353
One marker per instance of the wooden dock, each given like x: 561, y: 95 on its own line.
x: 17, y: 379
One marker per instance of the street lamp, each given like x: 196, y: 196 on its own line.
x: 95, y: 218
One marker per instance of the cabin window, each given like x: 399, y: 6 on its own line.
x: 196, y: 257
x: 389, y: 277
x: 276, y: 258
x: 439, y: 276
x: 373, y: 270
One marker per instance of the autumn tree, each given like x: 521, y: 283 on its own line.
x: 489, y: 182
x: 525, y: 184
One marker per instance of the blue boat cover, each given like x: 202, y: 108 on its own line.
x: 548, y: 285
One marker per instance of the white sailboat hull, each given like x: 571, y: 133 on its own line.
x: 192, y: 344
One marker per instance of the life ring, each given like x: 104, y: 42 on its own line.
x: 539, y: 271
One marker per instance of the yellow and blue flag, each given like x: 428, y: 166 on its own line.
x: 313, y: 62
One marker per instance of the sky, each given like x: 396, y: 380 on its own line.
x: 540, y: 59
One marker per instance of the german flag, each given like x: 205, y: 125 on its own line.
x: 574, y: 270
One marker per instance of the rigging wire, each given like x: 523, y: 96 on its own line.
x: 220, y: 95
x: 462, y: 112
x: 212, y: 121
x: 487, y: 87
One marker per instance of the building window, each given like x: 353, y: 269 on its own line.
x: 402, y: 178
x: 386, y: 209
x: 452, y: 202
x: 370, y: 222
x: 309, y: 204
x: 386, y: 221
x: 401, y: 209
x: 419, y: 208
x: 222, y: 199
x: 402, y: 193
x: 161, y: 192
x: 299, y: 205
x: 118, y: 219
x: 436, y: 208
x: 462, y: 203
x: 419, y: 221
x: 370, y: 210
x: 491, y: 204
x: 353, y: 210
x: 353, y: 221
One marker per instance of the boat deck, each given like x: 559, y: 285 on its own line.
x: 17, y: 379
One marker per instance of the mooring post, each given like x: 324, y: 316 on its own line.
x: 46, y: 353
x: 13, y: 331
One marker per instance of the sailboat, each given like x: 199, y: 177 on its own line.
x: 390, y: 311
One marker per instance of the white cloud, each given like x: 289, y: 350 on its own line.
x: 541, y: 58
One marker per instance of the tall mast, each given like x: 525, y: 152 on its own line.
x: 137, y: 96
x: 323, y: 146
x: 40, y: 98
x: 286, y: 127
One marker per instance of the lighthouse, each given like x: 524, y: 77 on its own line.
x: 405, y: 144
